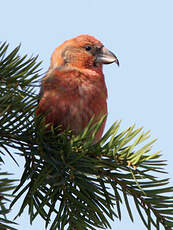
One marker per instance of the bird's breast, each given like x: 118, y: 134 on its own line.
x: 73, y: 106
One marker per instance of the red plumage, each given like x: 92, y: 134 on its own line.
x: 74, y: 90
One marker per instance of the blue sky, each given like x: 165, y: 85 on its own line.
x: 138, y: 32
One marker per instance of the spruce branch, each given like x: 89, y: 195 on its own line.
x: 17, y: 101
x: 70, y: 181
x: 84, y: 183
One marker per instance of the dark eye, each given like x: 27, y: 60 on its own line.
x: 88, y: 48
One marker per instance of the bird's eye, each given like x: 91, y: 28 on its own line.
x: 88, y: 48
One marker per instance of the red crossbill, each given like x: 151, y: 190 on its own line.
x: 73, y: 91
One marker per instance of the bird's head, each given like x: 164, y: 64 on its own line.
x: 84, y: 52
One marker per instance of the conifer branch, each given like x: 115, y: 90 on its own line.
x: 70, y: 180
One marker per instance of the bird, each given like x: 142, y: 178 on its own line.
x: 73, y: 91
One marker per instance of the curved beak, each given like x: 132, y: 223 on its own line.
x: 105, y: 56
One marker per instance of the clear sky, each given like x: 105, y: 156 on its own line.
x: 139, y: 32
